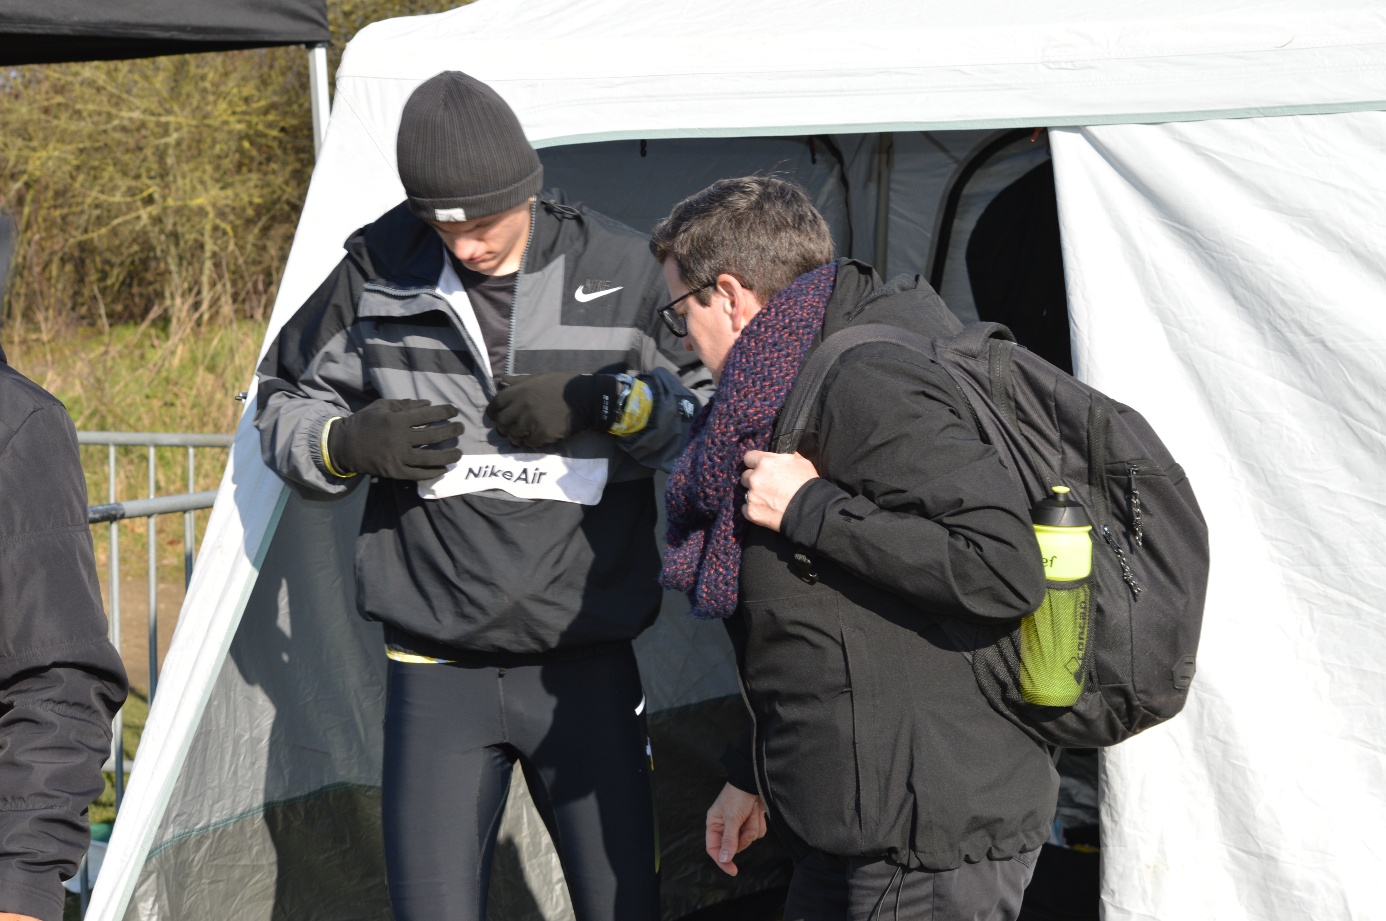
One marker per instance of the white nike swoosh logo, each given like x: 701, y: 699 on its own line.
x: 583, y: 297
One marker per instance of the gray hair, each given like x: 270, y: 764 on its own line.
x: 762, y: 230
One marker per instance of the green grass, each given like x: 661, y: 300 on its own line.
x: 134, y: 713
x: 138, y: 378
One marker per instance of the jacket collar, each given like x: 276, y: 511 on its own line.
x: 906, y: 301
x: 402, y: 251
x: 556, y: 223
x: 855, y: 280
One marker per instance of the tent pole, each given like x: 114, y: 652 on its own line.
x: 885, y: 150
x: 317, y: 89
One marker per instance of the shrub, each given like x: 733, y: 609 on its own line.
x: 163, y: 190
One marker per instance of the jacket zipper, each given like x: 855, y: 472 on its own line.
x: 1102, y: 506
x: 755, y: 739
x: 1127, y: 575
x: 515, y: 294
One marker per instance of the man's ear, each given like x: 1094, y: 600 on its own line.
x: 741, y: 303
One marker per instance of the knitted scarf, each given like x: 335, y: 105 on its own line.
x: 704, y: 494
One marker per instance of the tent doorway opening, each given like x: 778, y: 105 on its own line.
x: 974, y: 212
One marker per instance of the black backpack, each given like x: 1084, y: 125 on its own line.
x: 1142, y: 607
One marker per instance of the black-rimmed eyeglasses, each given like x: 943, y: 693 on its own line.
x: 677, y: 322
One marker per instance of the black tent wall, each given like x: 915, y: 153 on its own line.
x: 50, y: 31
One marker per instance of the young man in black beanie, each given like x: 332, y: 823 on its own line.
x: 491, y: 361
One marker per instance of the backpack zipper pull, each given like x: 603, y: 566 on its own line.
x: 1127, y: 575
x: 1134, y: 496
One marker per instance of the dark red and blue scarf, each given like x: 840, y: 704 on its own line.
x: 704, y: 495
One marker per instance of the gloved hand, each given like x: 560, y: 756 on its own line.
x: 534, y: 410
x: 385, y: 439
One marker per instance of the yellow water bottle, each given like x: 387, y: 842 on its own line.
x: 1065, y: 537
x: 1054, y: 639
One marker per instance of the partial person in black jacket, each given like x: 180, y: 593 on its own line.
x: 488, y: 360
x: 895, y: 786
x: 61, y: 681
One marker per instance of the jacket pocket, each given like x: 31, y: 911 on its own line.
x: 866, y: 736
x: 798, y: 684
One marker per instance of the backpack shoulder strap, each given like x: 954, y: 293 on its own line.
x: 803, y: 397
x: 999, y: 357
x: 976, y: 338
x: 991, y: 339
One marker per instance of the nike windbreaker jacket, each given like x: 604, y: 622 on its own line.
x: 521, y: 561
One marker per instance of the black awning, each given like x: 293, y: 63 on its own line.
x: 49, y: 31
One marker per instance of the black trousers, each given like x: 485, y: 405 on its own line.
x: 453, y: 733
x: 827, y: 888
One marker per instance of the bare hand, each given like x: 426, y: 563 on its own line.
x: 10, y: 916
x: 736, y: 819
x: 771, y: 480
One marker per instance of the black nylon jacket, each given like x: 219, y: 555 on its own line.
x: 871, y: 735
x: 487, y: 573
x: 61, y: 681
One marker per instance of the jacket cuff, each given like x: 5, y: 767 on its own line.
x: 317, y: 448
x: 21, y: 898
x: 736, y: 760
x: 804, y: 516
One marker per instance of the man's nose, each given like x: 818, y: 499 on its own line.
x: 466, y: 249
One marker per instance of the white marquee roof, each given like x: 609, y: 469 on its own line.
x: 611, y: 69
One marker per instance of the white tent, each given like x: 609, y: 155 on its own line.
x: 1219, y: 170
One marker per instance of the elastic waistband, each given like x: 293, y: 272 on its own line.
x: 418, y: 648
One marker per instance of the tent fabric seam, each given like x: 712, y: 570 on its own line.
x: 345, y: 99
x: 162, y: 846
x: 1076, y: 121
x: 1047, y: 63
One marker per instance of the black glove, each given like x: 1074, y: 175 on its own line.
x: 533, y: 410
x: 384, y: 439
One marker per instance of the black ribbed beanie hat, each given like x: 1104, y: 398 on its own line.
x: 461, y: 151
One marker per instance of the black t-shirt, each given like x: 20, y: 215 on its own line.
x: 492, y: 297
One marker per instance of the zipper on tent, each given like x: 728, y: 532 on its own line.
x: 943, y: 236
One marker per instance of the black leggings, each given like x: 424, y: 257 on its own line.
x: 452, y: 735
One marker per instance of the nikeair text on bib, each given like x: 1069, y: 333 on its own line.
x: 525, y: 476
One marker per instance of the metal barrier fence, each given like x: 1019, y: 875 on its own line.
x: 113, y: 512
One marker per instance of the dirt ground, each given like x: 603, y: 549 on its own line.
x: 134, y: 622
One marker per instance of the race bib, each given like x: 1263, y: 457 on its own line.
x: 526, y: 476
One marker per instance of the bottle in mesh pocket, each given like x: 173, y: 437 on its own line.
x: 1054, y: 639
x: 1053, y: 644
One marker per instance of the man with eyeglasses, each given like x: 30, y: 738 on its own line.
x: 489, y: 359
x: 897, y: 789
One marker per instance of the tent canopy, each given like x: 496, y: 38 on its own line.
x: 607, y: 69
x: 78, y: 30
